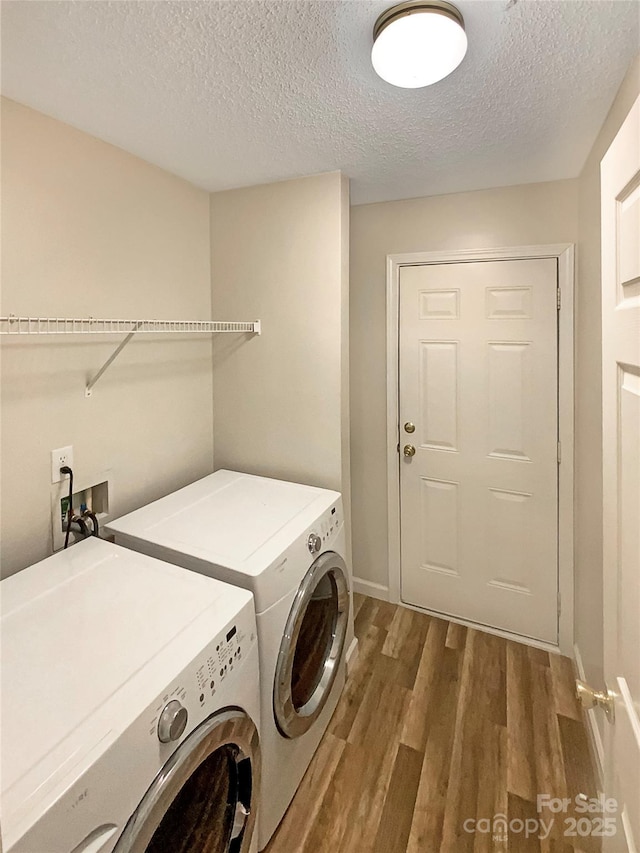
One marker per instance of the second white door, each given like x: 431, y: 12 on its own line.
x: 478, y: 379
x: 620, y: 182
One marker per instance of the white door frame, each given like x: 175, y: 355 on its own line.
x: 564, y: 252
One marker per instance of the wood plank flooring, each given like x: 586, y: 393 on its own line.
x: 439, y: 724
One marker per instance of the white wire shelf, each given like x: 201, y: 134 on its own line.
x: 14, y: 325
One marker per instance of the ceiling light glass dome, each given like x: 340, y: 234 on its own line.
x: 418, y: 43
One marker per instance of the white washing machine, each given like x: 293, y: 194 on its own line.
x: 286, y: 543
x: 130, y: 708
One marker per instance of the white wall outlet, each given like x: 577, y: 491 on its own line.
x: 61, y: 456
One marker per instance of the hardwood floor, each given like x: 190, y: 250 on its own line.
x: 439, y: 724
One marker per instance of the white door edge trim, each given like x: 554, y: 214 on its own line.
x: 564, y: 253
x: 593, y: 731
x: 628, y: 833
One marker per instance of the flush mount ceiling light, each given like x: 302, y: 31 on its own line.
x: 418, y: 43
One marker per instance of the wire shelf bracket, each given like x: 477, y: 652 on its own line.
x: 14, y: 325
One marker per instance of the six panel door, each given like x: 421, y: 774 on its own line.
x: 478, y: 364
x: 620, y: 183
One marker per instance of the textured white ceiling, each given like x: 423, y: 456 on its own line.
x: 235, y: 93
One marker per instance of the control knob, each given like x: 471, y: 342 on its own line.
x: 173, y: 721
x: 314, y: 543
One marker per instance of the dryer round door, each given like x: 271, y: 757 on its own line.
x: 312, y: 646
x: 202, y: 801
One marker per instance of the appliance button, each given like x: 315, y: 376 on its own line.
x: 173, y: 721
x: 314, y: 543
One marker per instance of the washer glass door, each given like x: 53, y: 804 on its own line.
x: 201, y: 801
x: 312, y: 646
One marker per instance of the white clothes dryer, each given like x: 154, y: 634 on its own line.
x: 284, y: 542
x: 130, y: 708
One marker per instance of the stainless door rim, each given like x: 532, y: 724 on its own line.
x: 294, y: 722
x: 229, y: 727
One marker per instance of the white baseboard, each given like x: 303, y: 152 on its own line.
x: 594, y: 731
x: 373, y: 590
x: 352, y: 655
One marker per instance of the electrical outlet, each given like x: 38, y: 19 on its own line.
x: 61, y: 456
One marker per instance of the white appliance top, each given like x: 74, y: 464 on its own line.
x: 239, y: 521
x: 79, y: 627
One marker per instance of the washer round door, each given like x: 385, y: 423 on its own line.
x: 312, y: 646
x: 202, y: 801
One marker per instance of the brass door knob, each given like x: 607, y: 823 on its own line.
x: 409, y: 427
x: 409, y: 450
x: 590, y: 698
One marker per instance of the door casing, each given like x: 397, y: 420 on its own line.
x: 564, y: 253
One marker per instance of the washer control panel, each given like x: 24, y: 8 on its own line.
x: 228, y: 653
x: 199, y: 684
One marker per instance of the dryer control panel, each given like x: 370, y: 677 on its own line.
x: 328, y: 525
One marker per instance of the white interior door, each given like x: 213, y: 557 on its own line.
x: 620, y: 177
x: 478, y: 377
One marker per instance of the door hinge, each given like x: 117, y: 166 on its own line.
x: 398, y: 448
x: 558, y: 298
x: 559, y: 452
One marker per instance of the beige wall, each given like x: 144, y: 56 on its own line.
x: 345, y: 394
x: 90, y: 230
x: 278, y: 254
x: 588, y: 490
x: 515, y: 216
